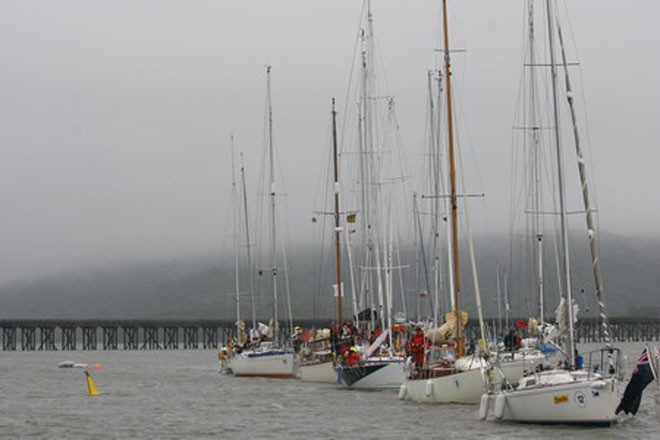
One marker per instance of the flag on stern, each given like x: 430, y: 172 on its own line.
x: 642, y: 375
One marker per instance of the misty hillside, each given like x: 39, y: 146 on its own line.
x: 203, y: 287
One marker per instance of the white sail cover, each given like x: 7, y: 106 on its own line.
x: 562, y: 325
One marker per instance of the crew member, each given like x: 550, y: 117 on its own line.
x: 417, y: 347
x: 295, y: 339
x: 352, y: 357
x: 512, y: 341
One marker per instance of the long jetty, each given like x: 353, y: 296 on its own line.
x: 88, y: 334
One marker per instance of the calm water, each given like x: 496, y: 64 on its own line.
x: 179, y: 394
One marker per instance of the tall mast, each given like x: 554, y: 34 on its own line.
x: 340, y: 299
x: 565, y: 263
x: 369, y: 244
x: 434, y: 165
x: 234, y: 202
x: 460, y: 348
x: 533, y: 126
x: 444, y: 294
x: 248, y: 244
x: 369, y: 133
x: 499, y: 300
x: 272, y: 207
x: 591, y: 227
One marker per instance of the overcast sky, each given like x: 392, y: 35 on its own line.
x: 115, y: 115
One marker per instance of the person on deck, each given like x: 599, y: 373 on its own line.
x: 579, y: 361
x: 417, y: 343
x: 295, y: 338
x: 352, y: 357
x: 375, y: 334
x: 511, y: 341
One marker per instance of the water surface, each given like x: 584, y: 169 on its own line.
x: 178, y: 394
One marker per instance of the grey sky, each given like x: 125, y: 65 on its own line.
x: 115, y: 115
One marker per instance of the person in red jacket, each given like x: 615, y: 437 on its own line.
x: 417, y: 342
x: 352, y: 357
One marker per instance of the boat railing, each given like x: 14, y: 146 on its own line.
x: 605, y: 362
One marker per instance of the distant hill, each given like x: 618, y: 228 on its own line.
x: 202, y: 287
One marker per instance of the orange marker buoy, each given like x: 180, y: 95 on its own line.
x: 97, y: 366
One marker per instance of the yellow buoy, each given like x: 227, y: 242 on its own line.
x: 91, y: 388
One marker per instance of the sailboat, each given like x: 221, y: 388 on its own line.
x: 239, y: 213
x: 378, y: 366
x: 444, y: 374
x: 586, y: 389
x: 268, y: 358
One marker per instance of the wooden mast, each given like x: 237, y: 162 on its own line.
x: 340, y: 299
x: 460, y: 348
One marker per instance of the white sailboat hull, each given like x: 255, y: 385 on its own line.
x: 460, y: 387
x: 590, y: 402
x: 268, y: 363
x: 374, y: 374
x: 320, y: 372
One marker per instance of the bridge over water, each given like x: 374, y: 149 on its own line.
x: 40, y: 335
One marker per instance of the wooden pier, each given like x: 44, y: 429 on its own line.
x: 68, y: 335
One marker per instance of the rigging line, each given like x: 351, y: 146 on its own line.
x: 514, y: 154
x: 425, y: 167
x: 248, y: 252
x: 593, y: 244
x: 585, y: 116
x: 235, y: 221
x: 323, y: 179
x: 320, y: 278
x: 404, y: 167
x: 229, y: 219
x: 347, y: 114
x: 272, y: 211
x: 549, y: 65
x: 473, y: 263
x: 382, y: 72
x: 436, y: 182
x: 287, y: 288
x: 465, y: 132
x: 286, y: 235
x: 260, y: 223
x: 286, y: 241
